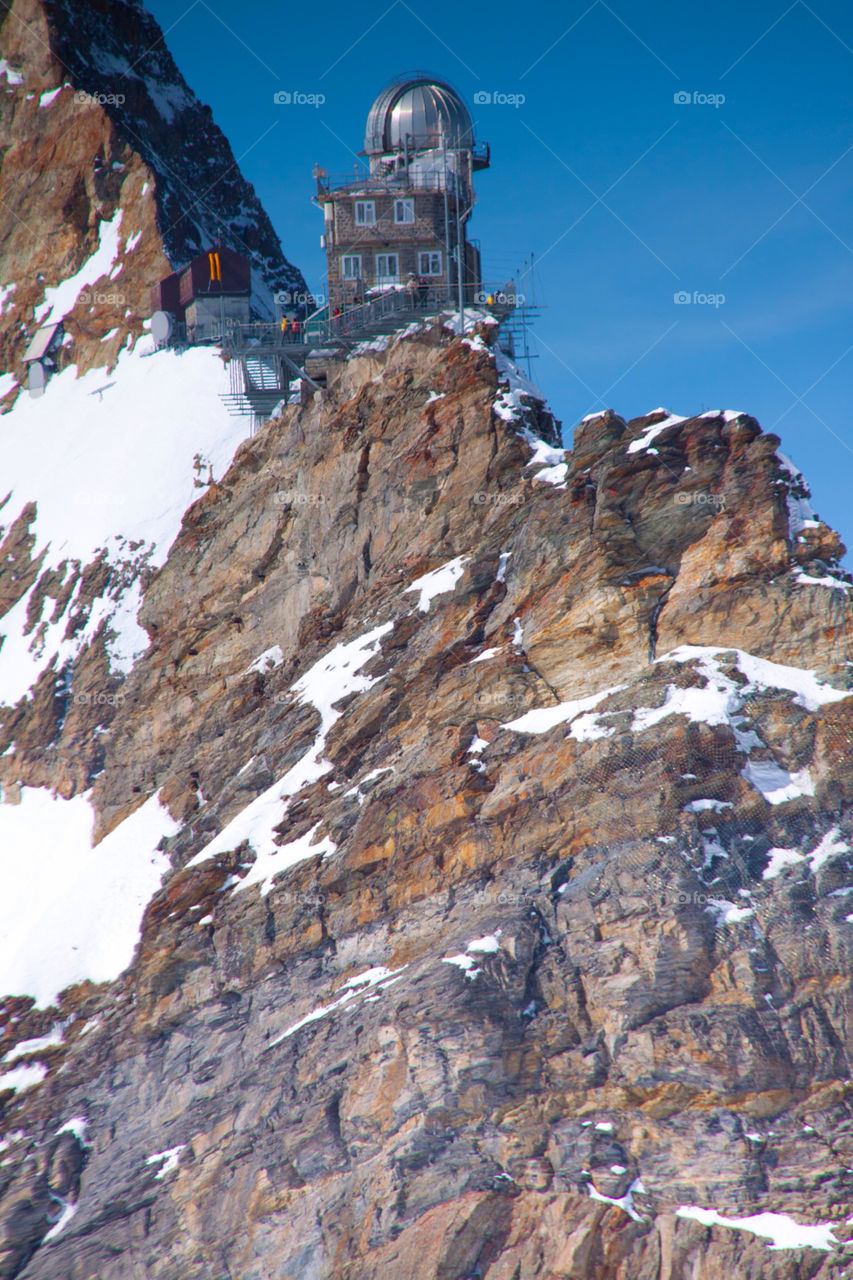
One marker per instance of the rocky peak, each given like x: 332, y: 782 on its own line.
x: 487, y: 807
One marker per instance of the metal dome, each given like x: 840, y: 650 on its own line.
x: 410, y: 114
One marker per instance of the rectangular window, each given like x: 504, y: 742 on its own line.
x: 387, y: 268
x: 352, y: 266
x: 404, y: 210
x: 365, y: 213
x: 429, y: 263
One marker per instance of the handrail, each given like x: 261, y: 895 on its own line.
x: 435, y: 297
x: 358, y: 321
x: 393, y: 182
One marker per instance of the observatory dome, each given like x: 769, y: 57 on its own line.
x: 410, y: 113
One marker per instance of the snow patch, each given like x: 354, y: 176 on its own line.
x: 779, y: 859
x: 27, y: 1076
x: 478, y: 946
x: 800, y: 513
x: 378, y: 978
x: 331, y: 678
x: 58, y: 301
x: 554, y: 475
x: 829, y: 847
x: 26, y: 1047
x: 78, y: 1125
x: 68, y: 1212
x: 266, y: 661
x: 651, y: 433
x: 776, y: 784
x: 542, y: 719
x: 782, y: 1231
x: 168, y: 1159
x: 70, y: 911
x: 437, y: 582
x: 485, y: 655
x: 625, y: 1203
x: 806, y: 579
x: 13, y: 77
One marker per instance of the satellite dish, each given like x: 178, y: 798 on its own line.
x: 37, y: 379
x: 161, y: 327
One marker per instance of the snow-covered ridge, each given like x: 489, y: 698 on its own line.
x: 644, y: 441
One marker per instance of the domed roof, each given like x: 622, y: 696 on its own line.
x: 411, y: 112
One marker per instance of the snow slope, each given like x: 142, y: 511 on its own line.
x: 108, y: 459
x: 68, y: 911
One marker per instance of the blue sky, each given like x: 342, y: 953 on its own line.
x: 738, y: 198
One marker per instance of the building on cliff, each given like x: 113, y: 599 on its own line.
x: 403, y: 219
x: 397, y: 250
x: 212, y: 289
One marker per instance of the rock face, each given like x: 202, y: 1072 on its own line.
x: 111, y: 174
x: 104, y: 147
x: 508, y: 928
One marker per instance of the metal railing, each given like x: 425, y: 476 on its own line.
x: 383, y: 312
x: 392, y: 179
x: 394, y: 182
x: 402, y: 302
x: 262, y: 334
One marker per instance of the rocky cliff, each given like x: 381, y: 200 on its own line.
x: 113, y: 173
x: 487, y: 810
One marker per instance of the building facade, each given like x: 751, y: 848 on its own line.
x: 403, y: 219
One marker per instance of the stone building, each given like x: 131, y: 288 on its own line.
x: 404, y: 217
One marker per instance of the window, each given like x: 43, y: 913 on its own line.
x: 352, y: 266
x: 387, y: 268
x: 365, y: 213
x: 429, y: 263
x: 404, y: 210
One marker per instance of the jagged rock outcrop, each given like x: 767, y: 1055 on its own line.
x: 106, y: 151
x: 507, y: 928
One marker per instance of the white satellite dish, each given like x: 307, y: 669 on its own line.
x: 161, y: 327
x: 37, y: 379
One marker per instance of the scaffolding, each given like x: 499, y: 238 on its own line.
x: 267, y: 362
